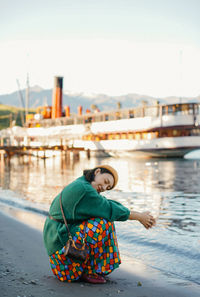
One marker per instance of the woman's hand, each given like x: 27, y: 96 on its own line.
x: 145, y: 218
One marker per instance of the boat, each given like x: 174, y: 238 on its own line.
x: 162, y: 130
x: 159, y: 130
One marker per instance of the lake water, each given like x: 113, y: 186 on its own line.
x: 170, y: 189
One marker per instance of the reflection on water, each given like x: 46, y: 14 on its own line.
x: 170, y: 189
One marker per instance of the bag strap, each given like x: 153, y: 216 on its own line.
x: 65, y: 221
x: 64, y: 218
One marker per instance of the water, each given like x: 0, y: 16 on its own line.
x: 170, y: 189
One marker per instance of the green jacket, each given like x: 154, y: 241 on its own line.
x: 80, y: 202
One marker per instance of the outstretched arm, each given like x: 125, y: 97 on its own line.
x: 145, y: 218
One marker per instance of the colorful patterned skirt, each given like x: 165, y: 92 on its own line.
x: 103, y: 254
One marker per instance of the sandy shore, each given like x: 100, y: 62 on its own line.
x: 25, y: 271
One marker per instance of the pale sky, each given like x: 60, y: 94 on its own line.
x: 113, y: 47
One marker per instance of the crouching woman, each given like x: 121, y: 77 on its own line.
x: 90, y: 217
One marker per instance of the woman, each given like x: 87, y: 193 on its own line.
x: 89, y: 215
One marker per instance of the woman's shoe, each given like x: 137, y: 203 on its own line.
x: 93, y: 278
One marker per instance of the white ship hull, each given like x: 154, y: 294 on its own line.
x: 160, y: 147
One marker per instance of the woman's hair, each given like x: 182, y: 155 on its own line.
x: 89, y: 173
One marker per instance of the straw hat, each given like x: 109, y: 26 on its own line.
x: 112, y: 171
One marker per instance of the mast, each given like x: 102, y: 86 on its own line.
x: 22, y: 103
x: 27, y: 96
x: 181, y: 75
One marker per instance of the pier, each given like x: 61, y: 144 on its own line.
x: 40, y: 152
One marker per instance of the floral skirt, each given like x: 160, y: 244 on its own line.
x: 102, y: 248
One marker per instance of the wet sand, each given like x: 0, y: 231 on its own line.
x: 25, y: 271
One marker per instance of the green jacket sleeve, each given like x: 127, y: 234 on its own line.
x: 96, y: 205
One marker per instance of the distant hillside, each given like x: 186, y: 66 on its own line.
x: 10, y: 115
x: 39, y: 96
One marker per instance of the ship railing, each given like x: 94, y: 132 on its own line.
x: 119, y: 114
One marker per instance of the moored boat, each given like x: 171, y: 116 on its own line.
x: 170, y: 130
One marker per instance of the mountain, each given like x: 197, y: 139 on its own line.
x: 39, y: 97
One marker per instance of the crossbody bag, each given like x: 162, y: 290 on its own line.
x: 72, y: 249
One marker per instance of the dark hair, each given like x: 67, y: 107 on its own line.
x: 89, y: 173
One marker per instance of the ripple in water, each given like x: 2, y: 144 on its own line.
x: 170, y: 189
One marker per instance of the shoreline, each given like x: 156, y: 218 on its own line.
x: 25, y: 269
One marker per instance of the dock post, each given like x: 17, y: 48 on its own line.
x: 2, y: 168
x: 44, y: 159
x: 8, y: 159
x: 67, y: 156
x: 29, y: 157
x: 61, y: 151
x: 2, y: 152
x: 76, y: 155
x: 65, y: 153
x: 88, y: 153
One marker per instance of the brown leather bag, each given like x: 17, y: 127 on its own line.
x: 72, y: 249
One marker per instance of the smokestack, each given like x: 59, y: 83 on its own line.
x: 57, y: 97
x: 67, y: 111
x: 80, y: 110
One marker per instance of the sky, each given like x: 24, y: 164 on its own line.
x: 111, y: 47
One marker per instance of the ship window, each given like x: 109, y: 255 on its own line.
x: 111, y: 117
x: 78, y: 120
x: 164, y: 110
x: 115, y: 136
x: 103, y: 136
x: 170, y: 109
x: 130, y: 136
x: 131, y: 114
x: 117, y: 115
x: 190, y: 111
x: 195, y: 132
x: 184, y: 132
x: 197, y: 108
x: 70, y: 120
x: 97, y: 118
x: 152, y: 111
x: 144, y: 135
x: 88, y: 120
x: 124, y: 114
x: 185, y: 109
x: 177, y: 109
x: 137, y: 136
x: 154, y: 135
x: 163, y: 133
x: 123, y: 136
x: 149, y: 135
x: 138, y: 112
